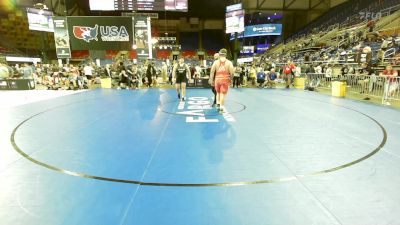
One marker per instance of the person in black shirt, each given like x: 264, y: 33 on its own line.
x: 181, y: 73
x: 150, y: 73
x: 366, y: 74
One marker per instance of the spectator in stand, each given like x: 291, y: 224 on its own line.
x: 253, y: 75
x: 391, y: 84
x: 371, y: 26
x: 26, y: 71
x: 328, y: 75
x: 4, y: 74
x: 88, y: 71
x: 124, y: 79
x: 385, y: 44
x: 288, y: 70
x: 242, y: 75
x: 297, y: 71
x: 261, y: 79
x: 271, y: 78
x: 134, y: 77
x: 150, y: 73
x: 164, y: 72
x: 365, y: 72
x: 236, y: 76
x: 107, y: 71
x: 318, y: 69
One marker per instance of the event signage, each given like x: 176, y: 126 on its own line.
x: 235, y: 7
x: 138, y: 14
x: 40, y: 20
x: 246, y: 50
x: 234, y: 21
x: 100, y: 33
x: 142, y: 37
x: 261, y: 48
x: 61, y: 37
x: 262, y: 30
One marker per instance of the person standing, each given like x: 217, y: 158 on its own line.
x: 88, y: 71
x: 181, y: 74
x: 221, y: 72
x: 391, y: 83
x: 107, y: 71
x: 288, y: 72
x: 236, y: 76
x: 216, y: 57
x: 134, y: 77
x: 150, y: 73
x: 164, y: 72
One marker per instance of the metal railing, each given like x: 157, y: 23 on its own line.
x: 390, y: 10
x: 388, y: 54
x: 385, y: 88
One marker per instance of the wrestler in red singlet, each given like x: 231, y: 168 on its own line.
x: 220, y: 77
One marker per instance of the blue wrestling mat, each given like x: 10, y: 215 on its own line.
x: 143, y: 157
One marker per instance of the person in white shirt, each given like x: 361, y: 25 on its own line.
x: 88, y: 71
x: 328, y: 75
x: 318, y: 69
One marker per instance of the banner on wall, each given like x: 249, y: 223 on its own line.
x: 261, y: 48
x: 143, y: 37
x: 61, y: 37
x: 263, y: 30
x: 247, y: 50
x: 100, y: 32
x: 260, y: 30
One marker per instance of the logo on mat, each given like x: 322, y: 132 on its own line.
x: 195, y: 111
x: 86, y: 33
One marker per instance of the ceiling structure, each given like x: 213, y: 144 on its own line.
x: 290, y: 5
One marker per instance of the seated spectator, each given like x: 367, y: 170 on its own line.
x: 261, y: 79
x: 134, y: 77
x: 271, y: 79
x: 26, y: 71
x: 124, y: 79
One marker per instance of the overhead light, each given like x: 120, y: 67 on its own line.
x: 134, y: 46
